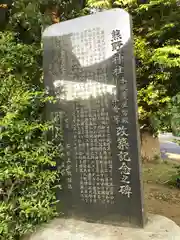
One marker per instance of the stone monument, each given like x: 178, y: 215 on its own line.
x: 89, y: 66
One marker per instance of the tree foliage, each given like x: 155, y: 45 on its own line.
x: 156, y: 33
x: 28, y: 18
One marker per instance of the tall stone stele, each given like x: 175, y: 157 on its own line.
x: 89, y: 66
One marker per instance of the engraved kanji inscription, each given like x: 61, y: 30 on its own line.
x: 89, y: 68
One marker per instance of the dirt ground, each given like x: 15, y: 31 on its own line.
x: 159, y: 197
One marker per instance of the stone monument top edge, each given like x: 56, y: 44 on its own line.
x: 98, y: 19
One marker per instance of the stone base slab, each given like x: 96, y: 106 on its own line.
x: 157, y: 228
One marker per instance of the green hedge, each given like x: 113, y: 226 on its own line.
x: 28, y: 172
x: 28, y: 175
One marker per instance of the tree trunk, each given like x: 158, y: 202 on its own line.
x: 150, y: 147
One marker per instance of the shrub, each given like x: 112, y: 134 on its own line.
x: 28, y: 173
x: 175, y: 179
x: 175, y: 112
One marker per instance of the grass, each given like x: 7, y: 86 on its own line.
x: 159, y: 196
x: 159, y: 173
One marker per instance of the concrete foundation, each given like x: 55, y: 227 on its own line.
x: 158, y: 228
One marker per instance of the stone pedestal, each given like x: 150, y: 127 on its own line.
x: 158, y: 228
